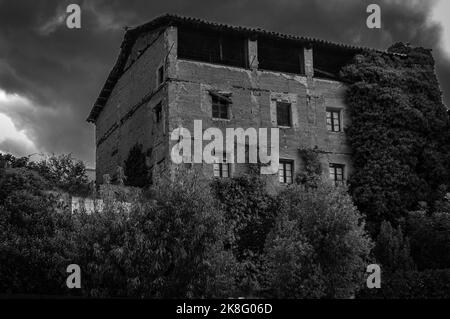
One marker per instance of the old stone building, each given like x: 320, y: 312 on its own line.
x: 174, y: 70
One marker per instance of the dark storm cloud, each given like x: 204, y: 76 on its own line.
x: 61, y: 70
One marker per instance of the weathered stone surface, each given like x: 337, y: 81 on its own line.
x: 129, y: 118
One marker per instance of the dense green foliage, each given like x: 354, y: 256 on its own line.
x: 304, y: 242
x: 136, y: 171
x: 321, y: 237
x: 392, y: 249
x: 399, y: 133
x: 312, y: 170
x: 61, y: 172
x: 181, y: 240
x: 428, y: 284
x: 33, y: 236
x: 430, y: 239
x: 168, y: 246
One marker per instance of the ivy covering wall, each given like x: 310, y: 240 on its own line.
x: 399, y: 134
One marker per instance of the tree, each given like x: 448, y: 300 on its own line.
x: 136, y: 170
x: 168, y: 245
x: 319, y: 242
x: 63, y: 172
x: 392, y: 249
x: 35, y: 240
x: 430, y: 239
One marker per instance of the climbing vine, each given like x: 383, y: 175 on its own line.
x: 399, y: 134
x: 312, y: 169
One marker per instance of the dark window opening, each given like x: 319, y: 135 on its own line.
x: 281, y: 56
x: 158, y: 112
x: 222, y: 169
x: 160, y: 75
x: 212, y: 47
x: 334, y: 120
x: 337, y: 173
x: 329, y: 62
x: 285, y: 171
x: 220, y: 106
x: 283, y: 114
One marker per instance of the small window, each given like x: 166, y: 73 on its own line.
x: 334, y: 120
x: 285, y: 170
x: 222, y: 169
x: 220, y: 107
x: 283, y: 114
x: 158, y: 112
x: 337, y: 173
x: 160, y: 75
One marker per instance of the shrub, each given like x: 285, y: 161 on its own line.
x: 320, y: 236
x: 169, y: 245
x: 63, y: 172
x: 430, y: 239
x: 249, y: 211
x: 392, y: 249
x: 35, y: 240
x: 427, y: 284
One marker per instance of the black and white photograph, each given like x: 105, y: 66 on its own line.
x: 234, y: 153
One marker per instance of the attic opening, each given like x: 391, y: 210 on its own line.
x: 328, y: 62
x: 212, y: 47
x: 281, y: 56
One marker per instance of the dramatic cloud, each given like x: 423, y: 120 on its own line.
x: 58, y: 72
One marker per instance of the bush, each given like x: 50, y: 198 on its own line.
x: 136, y: 171
x: 167, y: 246
x: 392, y: 249
x: 319, y: 242
x: 430, y: 239
x: 249, y: 211
x: 427, y: 284
x: 63, y: 172
x: 249, y: 214
x: 35, y: 241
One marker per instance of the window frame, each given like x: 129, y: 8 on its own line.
x: 331, y: 127
x: 282, y: 167
x: 158, y: 109
x: 219, y: 167
x: 289, y: 104
x: 160, y: 76
x: 333, y: 167
x: 221, y: 102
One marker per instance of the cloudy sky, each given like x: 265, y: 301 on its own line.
x: 50, y: 75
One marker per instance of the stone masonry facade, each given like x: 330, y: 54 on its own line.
x: 153, y: 90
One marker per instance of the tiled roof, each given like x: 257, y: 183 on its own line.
x: 176, y: 20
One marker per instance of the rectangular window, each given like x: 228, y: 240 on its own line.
x: 285, y: 171
x: 334, y: 120
x: 337, y: 173
x: 220, y: 107
x: 280, y: 56
x: 222, y: 169
x: 160, y: 75
x: 328, y: 61
x: 212, y: 46
x: 283, y: 114
x: 158, y: 112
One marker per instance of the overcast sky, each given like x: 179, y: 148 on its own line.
x: 51, y: 75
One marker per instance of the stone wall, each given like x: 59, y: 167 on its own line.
x: 129, y: 118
